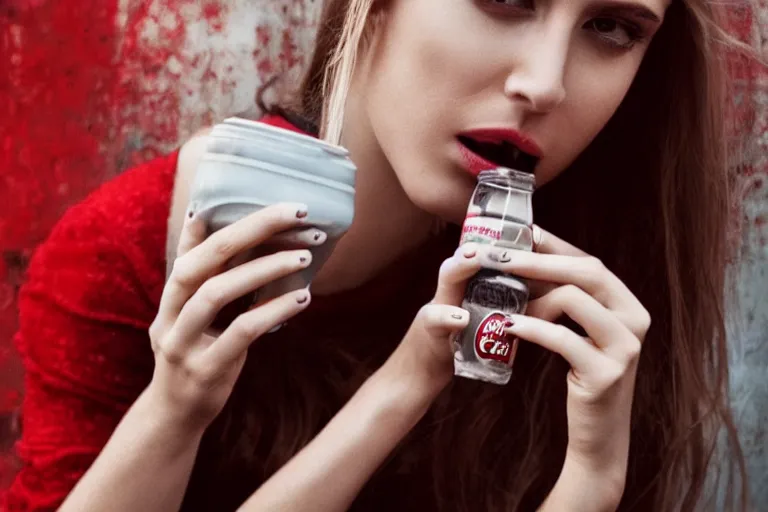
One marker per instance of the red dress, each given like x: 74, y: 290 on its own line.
x: 92, y: 290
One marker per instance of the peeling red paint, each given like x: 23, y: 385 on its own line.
x: 288, y: 53
x: 214, y: 13
x: 56, y: 111
x: 87, y: 91
x: 57, y: 90
x: 145, y: 103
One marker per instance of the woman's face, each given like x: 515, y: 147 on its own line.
x: 446, y: 81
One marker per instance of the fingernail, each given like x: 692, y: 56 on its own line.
x: 504, y: 257
x: 301, y: 212
x: 537, y: 235
x: 319, y: 237
x: 469, y: 251
x: 509, y: 322
x: 303, y: 259
x: 457, y: 316
x: 302, y: 299
x: 190, y: 214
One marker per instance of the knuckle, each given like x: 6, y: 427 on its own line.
x: 633, y: 349
x: 170, y: 353
x: 594, y: 265
x: 610, y: 376
x: 183, y: 272
x: 155, y: 331
x: 223, y: 247
x: 445, y: 267
x: 643, y: 320
x: 429, y: 314
x: 425, y: 311
x: 243, y: 328
x: 211, y: 295
x: 562, y: 333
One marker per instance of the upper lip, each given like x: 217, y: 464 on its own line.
x: 498, y: 135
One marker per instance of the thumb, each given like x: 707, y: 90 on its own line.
x: 440, y: 321
x: 432, y: 330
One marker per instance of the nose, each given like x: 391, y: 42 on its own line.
x: 537, y: 81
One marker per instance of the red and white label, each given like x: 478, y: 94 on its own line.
x: 491, y: 342
x: 481, y: 229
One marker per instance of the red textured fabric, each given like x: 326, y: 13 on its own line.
x: 92, y: 290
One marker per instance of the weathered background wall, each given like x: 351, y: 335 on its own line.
x: 91, y: 87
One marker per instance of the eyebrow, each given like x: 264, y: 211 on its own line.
x: 632, y: 9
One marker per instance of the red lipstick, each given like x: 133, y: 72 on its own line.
x: 498, y: 135
x: 490, y: 148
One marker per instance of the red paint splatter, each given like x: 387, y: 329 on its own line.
x: 57, y: 84
x: 288, y: 47
x: 146, y: 102
x: 263, y: 36
x: 213, y: 12
x: 56, y: 97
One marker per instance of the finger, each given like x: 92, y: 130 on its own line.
x: 439, y: 322
x: 602, y: 326
x: 547, y: 243
x: 454, y: 273
x: 205, y: 259
x: 249, y: 326
x: 586, y: 272
x: 442, y: 320
x: 201, y: 310
x: 193, y: 233
x: 583, y: 357
x: 297, y: 238
x: 539, y: 288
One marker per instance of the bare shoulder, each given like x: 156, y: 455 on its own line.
x: 190, y: 154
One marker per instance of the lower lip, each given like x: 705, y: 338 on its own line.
x: 474, y: 163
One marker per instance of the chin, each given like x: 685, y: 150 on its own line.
x: 445, y: 199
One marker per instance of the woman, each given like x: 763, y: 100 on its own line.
x: 353, y: 403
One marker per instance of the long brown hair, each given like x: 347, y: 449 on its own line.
x: 649, y: 197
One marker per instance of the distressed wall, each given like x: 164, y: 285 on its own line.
x: 89, y: 88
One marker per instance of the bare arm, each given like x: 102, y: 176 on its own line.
x: 581, y: 489
x: 149, y: 449
x: 145, y: 465
x: 329, y: 473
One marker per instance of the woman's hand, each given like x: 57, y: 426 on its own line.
x: 147, y: 461
x: 603, y: 363
x: 424, y: 359
x: 329, y: 472
x: 196, y: 371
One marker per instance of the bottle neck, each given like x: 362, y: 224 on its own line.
x: 508, y: 178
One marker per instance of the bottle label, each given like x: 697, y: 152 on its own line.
x: 482, y: 230
x: 491, y: 342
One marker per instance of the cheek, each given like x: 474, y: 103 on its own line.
x: 593, y: 96
x: 413, y: 94
x: 425, y: 65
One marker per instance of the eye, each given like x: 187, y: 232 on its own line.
x: 621, y: 34
x: 507, y: 6
x: 527, y: 4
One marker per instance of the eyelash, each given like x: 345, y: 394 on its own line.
x: 634, y: 31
